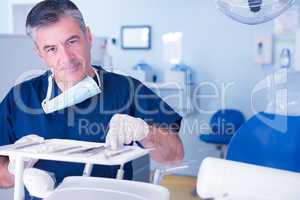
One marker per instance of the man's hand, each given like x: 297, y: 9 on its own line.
x: 124, y: 129
x: 27, y: 162
x: 165, y: 144
x: 6, y: 178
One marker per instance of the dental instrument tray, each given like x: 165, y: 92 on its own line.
x: 90, y: 153
x: 73, y: 151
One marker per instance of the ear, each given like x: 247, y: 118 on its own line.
x: 89, y: 36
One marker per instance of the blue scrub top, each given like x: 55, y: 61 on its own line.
x: 21, y: 114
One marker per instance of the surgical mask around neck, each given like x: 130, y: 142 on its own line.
x: 83, y: 90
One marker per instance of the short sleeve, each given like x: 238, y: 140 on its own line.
x: 150, y: 107
x: 7, y: 135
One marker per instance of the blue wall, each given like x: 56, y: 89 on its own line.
x: 4, y: 19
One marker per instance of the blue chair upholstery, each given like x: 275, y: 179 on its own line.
x: 215, y: 139
x: 273, y: 144
x: 224, y: 124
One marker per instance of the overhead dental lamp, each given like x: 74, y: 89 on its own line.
x: 253, y: 11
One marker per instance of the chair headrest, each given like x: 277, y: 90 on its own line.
x: 226, y: 121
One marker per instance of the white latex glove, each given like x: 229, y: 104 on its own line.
x: 28, y: 162
x: 124, y: 129
x: 39, y: 183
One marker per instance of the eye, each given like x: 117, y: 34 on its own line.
x: 51, y: 50
x: 73, y: 41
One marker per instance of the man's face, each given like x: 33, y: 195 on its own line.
x: 65, y: 48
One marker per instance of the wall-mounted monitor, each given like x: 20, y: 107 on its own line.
x: 136, y: 37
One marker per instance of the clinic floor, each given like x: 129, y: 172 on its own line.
x: 181, y: 187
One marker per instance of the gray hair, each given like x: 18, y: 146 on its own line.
x: 49, y: 12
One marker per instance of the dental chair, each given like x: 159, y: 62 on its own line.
x: 93, y: 188
x: 220, y: 179
x: 224, y: 123
x: 264, y: 143
x: 272, y: 138
x: 262, y: 160
x: 42, y: 184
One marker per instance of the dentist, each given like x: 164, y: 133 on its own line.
x: 75, y: 100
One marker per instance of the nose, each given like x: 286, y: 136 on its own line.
x: 66, y: 54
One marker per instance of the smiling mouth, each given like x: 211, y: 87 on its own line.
x: 72, y: 68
